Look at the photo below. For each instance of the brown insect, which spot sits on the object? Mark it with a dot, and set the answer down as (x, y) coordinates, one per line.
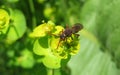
(69, 31)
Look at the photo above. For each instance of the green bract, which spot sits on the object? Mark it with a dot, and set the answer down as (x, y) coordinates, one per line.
(46, 44)
(17, 26)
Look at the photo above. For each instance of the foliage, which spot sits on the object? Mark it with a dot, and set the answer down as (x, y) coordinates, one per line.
(26, 44)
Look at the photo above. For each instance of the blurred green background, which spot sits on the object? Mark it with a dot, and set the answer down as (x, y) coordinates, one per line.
(100, 39)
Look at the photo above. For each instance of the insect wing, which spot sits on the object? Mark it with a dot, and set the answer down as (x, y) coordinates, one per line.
(77, 27)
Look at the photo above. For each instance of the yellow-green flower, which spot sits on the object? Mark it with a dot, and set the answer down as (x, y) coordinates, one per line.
(49, 45)
(42, 30)
(4, 19)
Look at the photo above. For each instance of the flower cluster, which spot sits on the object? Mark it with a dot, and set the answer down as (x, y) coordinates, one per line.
(4, 20)
(49, 45)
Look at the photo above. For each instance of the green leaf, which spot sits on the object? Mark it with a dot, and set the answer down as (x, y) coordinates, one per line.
(12, 1)
(89, 14)
(109, 28)
(10, 53)
(26, 59)
(17, 27)
(91, 60)
(101, 21)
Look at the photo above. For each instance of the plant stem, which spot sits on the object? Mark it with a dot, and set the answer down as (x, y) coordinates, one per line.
(34, 23)
(50, 71)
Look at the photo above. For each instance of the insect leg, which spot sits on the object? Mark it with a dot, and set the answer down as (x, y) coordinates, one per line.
(58, 44)
(77, 35)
